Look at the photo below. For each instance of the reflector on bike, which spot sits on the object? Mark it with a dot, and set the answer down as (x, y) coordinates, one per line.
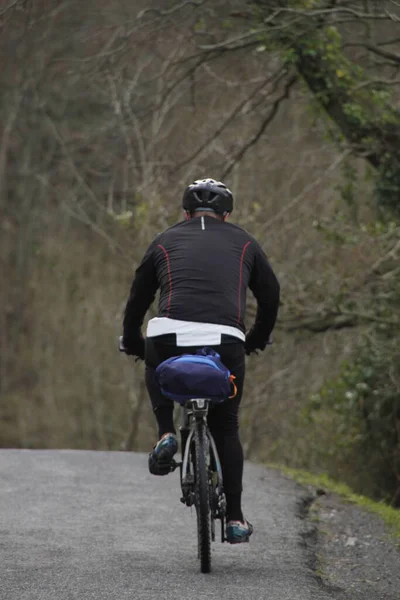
(200, 375)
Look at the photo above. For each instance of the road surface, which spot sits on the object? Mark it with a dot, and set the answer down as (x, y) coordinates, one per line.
(78, 525)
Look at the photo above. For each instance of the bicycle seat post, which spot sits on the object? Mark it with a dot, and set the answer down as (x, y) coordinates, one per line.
(199, 407)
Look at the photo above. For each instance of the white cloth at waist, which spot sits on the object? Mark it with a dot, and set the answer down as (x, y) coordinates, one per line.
(191, 333)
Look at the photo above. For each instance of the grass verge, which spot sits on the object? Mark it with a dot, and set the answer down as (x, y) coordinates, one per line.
(390, 516)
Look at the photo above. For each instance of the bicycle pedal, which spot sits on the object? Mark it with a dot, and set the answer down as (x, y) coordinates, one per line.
(188, 500)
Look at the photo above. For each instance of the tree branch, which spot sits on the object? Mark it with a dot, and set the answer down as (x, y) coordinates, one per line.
(223, 126)
(254, 139)
(365, 84)
(173, 9)
(203, 58)
(307, 189)
(367, 317)
(307, 13)
(6, 137)
(376, 50)
(319, 324)
(332, 320)
(392, 253)
(244, 36)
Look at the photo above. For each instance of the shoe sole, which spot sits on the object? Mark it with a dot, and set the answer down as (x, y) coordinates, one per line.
(242, 540)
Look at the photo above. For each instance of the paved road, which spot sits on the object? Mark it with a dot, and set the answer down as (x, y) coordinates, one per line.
(80, 525)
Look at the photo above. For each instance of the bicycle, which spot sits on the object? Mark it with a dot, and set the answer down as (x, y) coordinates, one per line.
(201, 476)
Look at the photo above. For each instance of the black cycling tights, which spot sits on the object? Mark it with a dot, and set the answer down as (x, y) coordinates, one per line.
(222, 419)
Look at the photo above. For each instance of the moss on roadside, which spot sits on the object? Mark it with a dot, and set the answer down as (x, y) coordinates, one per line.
(390, 516)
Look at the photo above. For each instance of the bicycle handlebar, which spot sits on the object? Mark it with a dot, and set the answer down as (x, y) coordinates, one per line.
(121, 346)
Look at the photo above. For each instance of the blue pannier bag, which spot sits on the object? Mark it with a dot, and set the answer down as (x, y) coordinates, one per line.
(200, 375)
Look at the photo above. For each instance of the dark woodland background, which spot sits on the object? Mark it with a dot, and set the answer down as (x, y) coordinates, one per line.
(107, 111)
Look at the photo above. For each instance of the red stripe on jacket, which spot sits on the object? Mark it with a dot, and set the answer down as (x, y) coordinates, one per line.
(240, 279)
(169, 276)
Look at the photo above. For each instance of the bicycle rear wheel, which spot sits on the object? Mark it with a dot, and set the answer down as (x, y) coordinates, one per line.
(202, 497)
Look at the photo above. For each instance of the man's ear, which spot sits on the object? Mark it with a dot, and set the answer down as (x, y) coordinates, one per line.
(226, 216)
(187, 215)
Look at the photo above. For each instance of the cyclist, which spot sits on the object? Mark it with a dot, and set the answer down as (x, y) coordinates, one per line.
(203, 267)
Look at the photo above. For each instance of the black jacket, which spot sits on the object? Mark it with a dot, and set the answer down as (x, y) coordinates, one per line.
(204, 267)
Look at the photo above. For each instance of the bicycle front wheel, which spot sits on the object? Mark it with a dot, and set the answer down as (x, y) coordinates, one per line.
(202, 497)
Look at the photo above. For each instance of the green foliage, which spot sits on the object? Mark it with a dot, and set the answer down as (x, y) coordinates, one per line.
(363, 405)
(348, 188)
(200, 25)
(289, 56)
(356, 114)
(124, 218)
(304, 4)
(354, 421)
(390, 516)
(388, 184)
(363, 110)
(227, 24)
(331, 234)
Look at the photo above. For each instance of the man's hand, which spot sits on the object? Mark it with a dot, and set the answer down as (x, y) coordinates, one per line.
(133, 346)
(255, 342)
(248, 350)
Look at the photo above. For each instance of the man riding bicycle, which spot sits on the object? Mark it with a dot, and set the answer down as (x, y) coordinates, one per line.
(203, 267)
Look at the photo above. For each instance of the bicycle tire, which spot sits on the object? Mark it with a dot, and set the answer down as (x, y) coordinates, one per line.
(202, 498)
